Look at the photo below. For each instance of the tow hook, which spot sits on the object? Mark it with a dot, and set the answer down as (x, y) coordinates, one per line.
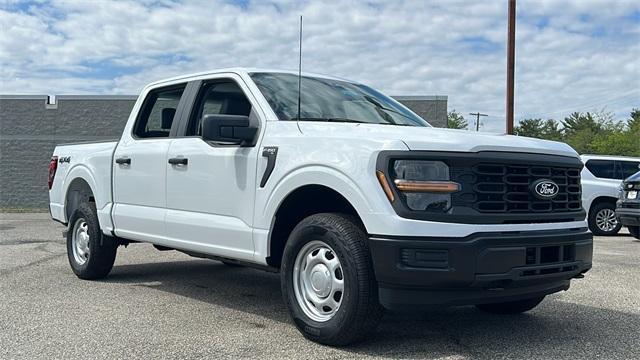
(579, 276)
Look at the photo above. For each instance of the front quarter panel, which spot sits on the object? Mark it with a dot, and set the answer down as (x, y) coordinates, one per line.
(593, 188)
(344, 165)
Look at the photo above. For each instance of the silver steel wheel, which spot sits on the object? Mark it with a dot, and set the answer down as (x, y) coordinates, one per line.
(606, 220)
(318, 281)
(80, 241)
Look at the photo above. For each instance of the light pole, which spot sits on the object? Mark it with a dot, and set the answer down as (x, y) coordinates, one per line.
(511, 61)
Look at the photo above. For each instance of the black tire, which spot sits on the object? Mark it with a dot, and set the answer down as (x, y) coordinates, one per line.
(593, 214)
(634, 231)
(512, 307)
(359, 312)
(102, 248)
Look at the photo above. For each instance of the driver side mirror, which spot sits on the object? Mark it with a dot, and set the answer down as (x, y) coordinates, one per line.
(228, 128)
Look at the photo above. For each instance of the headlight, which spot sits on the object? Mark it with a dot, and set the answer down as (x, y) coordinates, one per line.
(621, 191)
(424, 185)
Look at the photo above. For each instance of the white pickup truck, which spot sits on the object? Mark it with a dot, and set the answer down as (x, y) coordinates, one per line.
(357, 202)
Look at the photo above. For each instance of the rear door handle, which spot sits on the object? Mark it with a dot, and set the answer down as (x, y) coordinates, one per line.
(123, 161)
(178, 161)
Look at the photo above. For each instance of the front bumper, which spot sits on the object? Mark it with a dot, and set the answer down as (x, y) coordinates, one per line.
(479, 268)
(628, 216)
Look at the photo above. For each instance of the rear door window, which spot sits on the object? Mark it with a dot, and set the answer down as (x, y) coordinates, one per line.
(602, 168)
(627, 168)
(158, 112)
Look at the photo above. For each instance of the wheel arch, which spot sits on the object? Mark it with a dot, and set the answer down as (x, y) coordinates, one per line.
(299, 203)
(77, 192)
(79, 185)
(602, 199)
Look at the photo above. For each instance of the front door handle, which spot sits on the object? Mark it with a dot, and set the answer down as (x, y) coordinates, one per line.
(123, 161)
(178, 161)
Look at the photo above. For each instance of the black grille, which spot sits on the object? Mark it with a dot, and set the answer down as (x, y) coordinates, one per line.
(506, 188)
(496, 187)
(550, 259)
(630, 205)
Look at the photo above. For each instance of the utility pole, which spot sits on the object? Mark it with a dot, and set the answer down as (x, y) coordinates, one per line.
(511, 60)
(477, 115)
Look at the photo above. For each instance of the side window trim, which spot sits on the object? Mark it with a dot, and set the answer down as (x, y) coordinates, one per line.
(143, 109)
(181, 122)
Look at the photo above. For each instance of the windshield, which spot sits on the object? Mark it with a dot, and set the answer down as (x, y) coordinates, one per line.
(331, 100)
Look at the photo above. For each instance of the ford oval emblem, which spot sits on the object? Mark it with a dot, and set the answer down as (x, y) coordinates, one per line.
(545, 189)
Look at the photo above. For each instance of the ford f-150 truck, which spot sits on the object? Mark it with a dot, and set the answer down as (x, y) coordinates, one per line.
(356, 201)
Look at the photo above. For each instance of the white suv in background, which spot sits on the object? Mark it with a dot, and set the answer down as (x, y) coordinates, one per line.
(601, 179)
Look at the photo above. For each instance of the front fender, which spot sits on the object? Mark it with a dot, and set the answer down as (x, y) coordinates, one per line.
(325, 176)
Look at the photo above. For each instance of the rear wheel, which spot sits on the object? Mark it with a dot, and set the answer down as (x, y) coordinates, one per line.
(91, 253)
(328, 282)
(511, 307)
(634, 231)
(603, 220)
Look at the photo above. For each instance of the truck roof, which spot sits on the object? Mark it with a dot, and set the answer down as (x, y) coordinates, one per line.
(244, 71)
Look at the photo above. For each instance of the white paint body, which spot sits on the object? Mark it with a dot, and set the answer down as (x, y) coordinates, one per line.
(214, 205)
(600, 188)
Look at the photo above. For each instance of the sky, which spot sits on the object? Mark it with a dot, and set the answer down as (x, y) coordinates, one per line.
(581, 55)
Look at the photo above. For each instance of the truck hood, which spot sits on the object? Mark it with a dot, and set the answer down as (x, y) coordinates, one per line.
(435, 139)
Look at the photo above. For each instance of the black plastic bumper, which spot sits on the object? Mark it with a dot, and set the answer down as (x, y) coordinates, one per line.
(480, 268)
(628, 217)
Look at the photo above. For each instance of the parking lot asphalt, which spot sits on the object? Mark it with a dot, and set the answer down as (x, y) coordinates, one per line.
(169, 305)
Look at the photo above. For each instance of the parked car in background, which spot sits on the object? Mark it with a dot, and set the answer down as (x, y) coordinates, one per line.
(628, 206)
(601, 178)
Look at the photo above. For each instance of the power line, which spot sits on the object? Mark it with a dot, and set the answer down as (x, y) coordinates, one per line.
(592, 103)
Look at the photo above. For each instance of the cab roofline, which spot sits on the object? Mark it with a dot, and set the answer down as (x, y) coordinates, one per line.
(243, 71)
(608, 157)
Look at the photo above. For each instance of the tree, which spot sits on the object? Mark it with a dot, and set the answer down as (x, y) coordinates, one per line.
(578, 121)
(621, 139)
(530, 128)
(618, 143)
(593, 133)
(552, 130)
(582, 141)
(456, 121)
(634, 121)
(599, 133)
(543, 129)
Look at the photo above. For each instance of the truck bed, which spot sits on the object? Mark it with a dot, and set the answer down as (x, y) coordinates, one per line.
(90, 162)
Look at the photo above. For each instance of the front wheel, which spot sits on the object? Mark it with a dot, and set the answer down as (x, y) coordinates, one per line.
(603, 220)
(511, 307)
(634, 231)
(91, 253)
(328, 282)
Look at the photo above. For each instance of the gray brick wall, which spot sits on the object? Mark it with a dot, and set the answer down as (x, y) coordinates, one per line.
(431, 108)
(30, 128)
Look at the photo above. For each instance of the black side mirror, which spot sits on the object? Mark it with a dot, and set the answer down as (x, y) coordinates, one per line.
(228, 128)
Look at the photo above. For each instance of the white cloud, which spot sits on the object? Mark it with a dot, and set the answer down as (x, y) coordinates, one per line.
(571, 55)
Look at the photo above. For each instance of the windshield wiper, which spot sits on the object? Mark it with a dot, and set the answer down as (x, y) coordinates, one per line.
(382, 107)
